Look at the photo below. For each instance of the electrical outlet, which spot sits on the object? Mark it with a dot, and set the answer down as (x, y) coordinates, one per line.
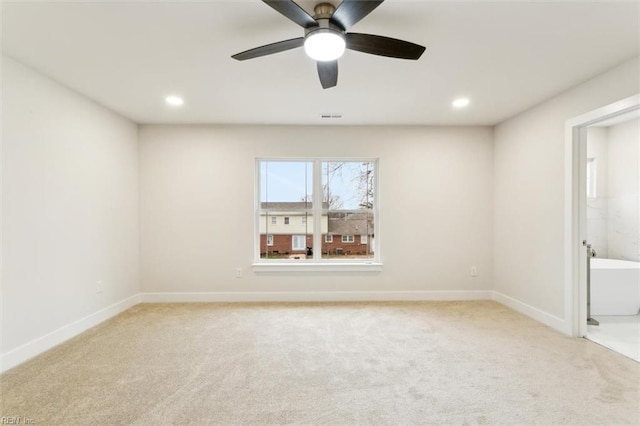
(99, 287)
(238, 272)
(474, 271)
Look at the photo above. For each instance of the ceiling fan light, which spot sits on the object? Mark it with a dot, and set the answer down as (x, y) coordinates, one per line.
(324, 45)
(173, 100)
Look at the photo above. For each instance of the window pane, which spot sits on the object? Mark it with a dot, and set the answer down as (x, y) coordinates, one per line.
(348, 185)
(285, 202)
(286, 182)
(348, 194)
(291, 241)
(351, 235)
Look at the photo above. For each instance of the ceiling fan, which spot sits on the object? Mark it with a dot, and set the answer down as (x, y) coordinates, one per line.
(326, 37)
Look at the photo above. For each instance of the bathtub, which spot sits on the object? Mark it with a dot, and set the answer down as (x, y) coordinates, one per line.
(615, 287)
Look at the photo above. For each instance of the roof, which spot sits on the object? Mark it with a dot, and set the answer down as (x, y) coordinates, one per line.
(350, 224)
(286, 206)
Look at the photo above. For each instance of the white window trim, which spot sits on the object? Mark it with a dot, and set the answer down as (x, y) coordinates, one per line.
(316, 263)
(328, 238)
(308, 266)
(269, 238)
(350, 239)
(274, 220)
(364, 239)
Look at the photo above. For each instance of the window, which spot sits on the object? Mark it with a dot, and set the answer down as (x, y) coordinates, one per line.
(274, 220)
(364, 239)
(316, 198)
(269, 240)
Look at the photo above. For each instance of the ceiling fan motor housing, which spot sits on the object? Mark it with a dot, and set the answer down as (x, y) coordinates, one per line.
(325, 25)
(323, 10)
(322, 14)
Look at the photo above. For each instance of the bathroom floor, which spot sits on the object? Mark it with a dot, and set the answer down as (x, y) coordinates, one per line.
(620, 333)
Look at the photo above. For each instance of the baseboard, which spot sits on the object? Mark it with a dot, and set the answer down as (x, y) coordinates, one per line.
(534, 313)
(62, 334)
(315, 296)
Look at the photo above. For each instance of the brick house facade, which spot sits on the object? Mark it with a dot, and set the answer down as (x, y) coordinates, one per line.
(343, 233)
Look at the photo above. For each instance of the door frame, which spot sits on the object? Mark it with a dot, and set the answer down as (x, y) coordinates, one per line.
(575, 209)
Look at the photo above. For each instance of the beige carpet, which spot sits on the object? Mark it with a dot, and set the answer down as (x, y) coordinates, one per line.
(338, 364)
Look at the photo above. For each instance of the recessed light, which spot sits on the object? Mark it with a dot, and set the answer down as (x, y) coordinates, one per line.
(460, 103)
(174, 100)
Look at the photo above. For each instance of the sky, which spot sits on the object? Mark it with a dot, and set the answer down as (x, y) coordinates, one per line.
(293, 181)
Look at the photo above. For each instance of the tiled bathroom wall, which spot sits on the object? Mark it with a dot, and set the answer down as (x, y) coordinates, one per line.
(623, 228)
(613, 214)
(597, 225)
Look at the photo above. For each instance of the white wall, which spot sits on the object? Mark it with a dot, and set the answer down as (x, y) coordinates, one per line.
(197, 206)
(70, 210)
(528, 189)
(624, 191)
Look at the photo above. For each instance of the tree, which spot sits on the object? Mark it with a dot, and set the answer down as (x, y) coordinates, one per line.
(333, 202)
(364, 185)
(354, 179)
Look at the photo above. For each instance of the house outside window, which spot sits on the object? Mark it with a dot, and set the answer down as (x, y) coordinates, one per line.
(364, 239)
(316, 199)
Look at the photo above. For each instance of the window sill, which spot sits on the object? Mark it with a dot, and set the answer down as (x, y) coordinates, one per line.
(317, 267)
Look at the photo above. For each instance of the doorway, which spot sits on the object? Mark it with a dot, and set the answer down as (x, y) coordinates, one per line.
(587, 198)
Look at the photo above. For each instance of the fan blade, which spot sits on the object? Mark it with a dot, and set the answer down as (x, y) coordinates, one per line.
(269, 49)
(352, 11)
(292, 11)
(328, 73)
(384, 46)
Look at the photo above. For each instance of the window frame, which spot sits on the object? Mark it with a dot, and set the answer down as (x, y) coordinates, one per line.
(328, 238)
(350, 239)
(269, 240)
(316, 263)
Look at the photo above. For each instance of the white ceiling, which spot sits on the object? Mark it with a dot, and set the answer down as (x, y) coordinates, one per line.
(504, 56)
